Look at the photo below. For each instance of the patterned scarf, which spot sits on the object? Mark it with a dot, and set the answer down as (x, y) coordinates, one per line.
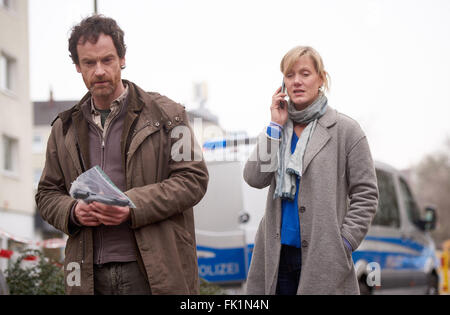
(290, 165)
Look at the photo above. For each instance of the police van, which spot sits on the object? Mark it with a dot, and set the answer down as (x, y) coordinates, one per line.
(396, 257)
(398, 241)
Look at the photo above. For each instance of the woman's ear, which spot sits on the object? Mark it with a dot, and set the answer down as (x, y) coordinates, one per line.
(323, 77)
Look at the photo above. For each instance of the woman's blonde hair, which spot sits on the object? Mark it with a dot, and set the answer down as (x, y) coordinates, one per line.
(293, 55)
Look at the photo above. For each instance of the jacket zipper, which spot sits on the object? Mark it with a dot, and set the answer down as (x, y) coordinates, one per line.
(103, 138)
(101, 246)
(102, 165)
(102, 159)
(103, 153)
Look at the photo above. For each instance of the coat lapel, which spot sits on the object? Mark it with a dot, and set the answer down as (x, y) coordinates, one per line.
(81, 130)
(146, 120)
(78, 150)
(320, 137)
(318, 140)
(70, 143)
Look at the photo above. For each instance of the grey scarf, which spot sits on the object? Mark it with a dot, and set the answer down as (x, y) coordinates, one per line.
(290, 165)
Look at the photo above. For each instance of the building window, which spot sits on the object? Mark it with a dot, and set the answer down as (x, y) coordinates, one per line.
(7, 72)
(10, 155)
(37, 176)
(38, 144)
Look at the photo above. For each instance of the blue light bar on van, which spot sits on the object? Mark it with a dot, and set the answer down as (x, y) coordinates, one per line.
(218, 144)
(227, 143)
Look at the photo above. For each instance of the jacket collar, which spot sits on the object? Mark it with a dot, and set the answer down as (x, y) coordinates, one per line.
(320, 137)
(136, 102)
(329, 118)
(137, 99)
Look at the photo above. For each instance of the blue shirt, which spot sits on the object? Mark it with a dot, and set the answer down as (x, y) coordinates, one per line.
(290, 222)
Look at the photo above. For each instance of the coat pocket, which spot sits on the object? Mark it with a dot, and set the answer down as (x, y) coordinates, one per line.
(347, 252)
(182, 235)
(186, 255)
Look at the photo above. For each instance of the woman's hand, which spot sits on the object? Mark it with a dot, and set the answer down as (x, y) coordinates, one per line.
(279, 113)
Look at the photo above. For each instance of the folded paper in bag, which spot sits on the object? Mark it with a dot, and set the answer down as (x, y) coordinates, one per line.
(95, 185)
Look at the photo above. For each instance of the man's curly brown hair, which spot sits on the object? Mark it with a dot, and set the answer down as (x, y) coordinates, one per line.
(90, 29)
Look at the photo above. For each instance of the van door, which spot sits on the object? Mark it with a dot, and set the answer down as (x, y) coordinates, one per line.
(382, 243)
(221, 244)
(415, 239)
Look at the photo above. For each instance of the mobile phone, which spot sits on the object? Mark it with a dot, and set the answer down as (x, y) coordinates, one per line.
(283, 90)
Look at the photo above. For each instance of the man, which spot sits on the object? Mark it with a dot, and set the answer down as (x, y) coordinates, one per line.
(129, 133)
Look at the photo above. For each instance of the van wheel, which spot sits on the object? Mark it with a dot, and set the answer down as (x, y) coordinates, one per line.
(364, 289)
(433, 285)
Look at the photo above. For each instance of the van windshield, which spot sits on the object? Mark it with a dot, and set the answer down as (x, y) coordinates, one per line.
(388, 210)
(410, 204)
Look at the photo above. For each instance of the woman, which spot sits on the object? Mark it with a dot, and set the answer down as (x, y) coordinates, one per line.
(323, 190)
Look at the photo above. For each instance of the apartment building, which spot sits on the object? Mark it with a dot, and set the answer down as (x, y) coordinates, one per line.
(17, 206)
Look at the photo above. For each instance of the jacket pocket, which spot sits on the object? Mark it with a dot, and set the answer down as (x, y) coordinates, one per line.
(187, 256)
(182, 235)
(347, 252)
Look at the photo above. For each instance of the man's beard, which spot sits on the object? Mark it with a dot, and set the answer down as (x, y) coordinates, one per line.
(102, 91)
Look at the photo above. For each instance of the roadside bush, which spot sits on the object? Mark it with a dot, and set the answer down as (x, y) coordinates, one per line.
(41, 278)
(207, 288)
(46, 278)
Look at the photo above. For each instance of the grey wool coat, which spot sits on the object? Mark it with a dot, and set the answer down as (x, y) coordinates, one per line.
(338, 197)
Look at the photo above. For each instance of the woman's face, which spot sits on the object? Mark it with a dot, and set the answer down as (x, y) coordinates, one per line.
(303, 82)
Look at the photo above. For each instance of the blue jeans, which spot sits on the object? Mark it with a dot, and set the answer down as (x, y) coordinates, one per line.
(289, 270)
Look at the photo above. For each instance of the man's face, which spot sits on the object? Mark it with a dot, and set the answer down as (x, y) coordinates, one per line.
(100, 67)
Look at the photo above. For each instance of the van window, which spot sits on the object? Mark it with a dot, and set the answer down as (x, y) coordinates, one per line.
(410, 205)
(388, 209)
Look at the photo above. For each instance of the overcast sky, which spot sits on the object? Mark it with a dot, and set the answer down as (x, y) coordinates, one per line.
(388, 60)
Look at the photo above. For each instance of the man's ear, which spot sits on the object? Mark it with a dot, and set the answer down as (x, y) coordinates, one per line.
(78, 68)
(122, 63)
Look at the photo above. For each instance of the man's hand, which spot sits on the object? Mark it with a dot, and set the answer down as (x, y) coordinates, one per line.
(83, 214)
(109, 215)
